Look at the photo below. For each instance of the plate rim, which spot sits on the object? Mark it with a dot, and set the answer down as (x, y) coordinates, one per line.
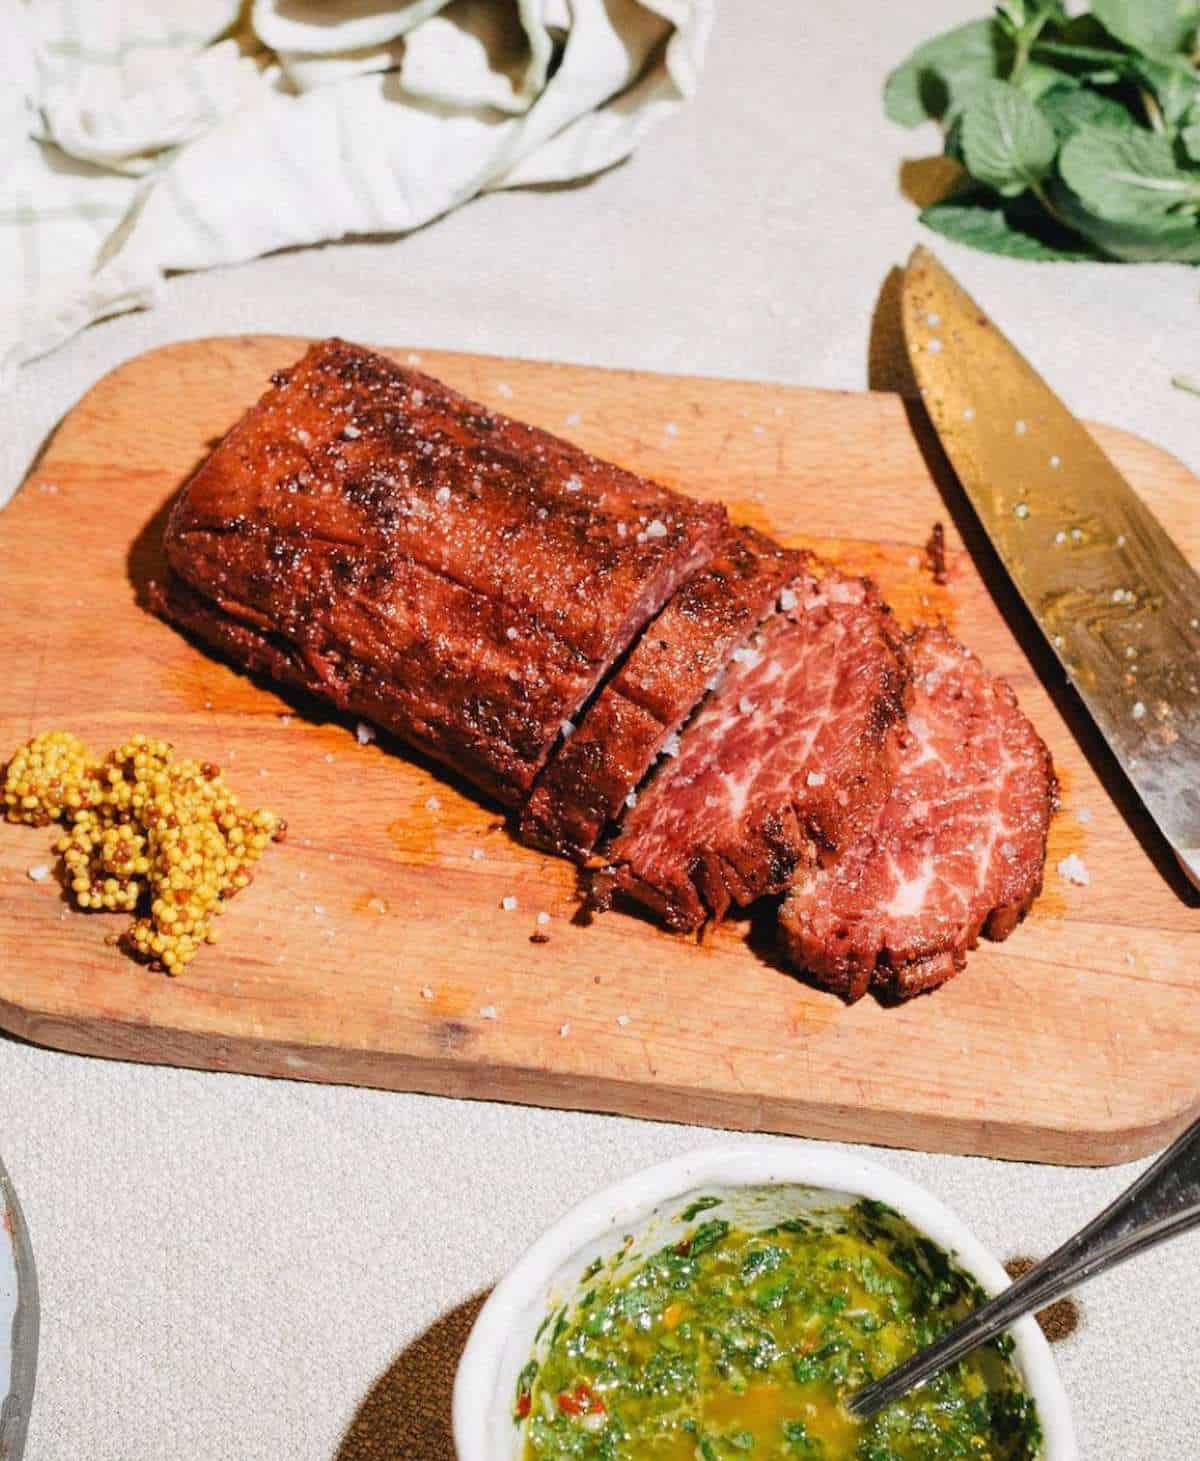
(15, 1411)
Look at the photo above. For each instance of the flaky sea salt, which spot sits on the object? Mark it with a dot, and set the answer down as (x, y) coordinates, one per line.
(1056, 462)
(671, 429)
(426, 992)
(1021, 510)
(564, 1030)
(1083, 816)
(1020, 427)
(745, 705)
(568, 729)
(787, 600)
(1139, 710)
(508, 903)
(351, 433)
(623, 1020)
(573, 418)
(505, 390)
(1074, 870)
(621, 530)
(815, 778)
(442, 496)
(934, 346)
(656, 529)
(39, 872)
(670, 747)
(432, 804)
(488, 1012)
(631, 799)
(364, 734)
(511, 632)
(477, 854)
(574, 483)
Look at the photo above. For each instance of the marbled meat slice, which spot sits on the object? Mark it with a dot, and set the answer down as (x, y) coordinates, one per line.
(585, 786)
(462, 579)
(788, 759)
(957, 849)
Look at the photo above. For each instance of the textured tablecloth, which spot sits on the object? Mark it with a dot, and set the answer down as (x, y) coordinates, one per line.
(232, 1268)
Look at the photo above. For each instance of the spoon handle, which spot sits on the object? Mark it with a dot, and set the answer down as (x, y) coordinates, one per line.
(1164, 1201)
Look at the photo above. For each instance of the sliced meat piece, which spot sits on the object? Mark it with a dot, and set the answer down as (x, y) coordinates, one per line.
(586, 784)
(464, 579)
(957, 849)
(787, 760)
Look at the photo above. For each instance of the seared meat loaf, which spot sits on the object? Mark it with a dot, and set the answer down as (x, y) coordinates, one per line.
(464, 580)
(786, 762)
(586, 785)
(956, 850)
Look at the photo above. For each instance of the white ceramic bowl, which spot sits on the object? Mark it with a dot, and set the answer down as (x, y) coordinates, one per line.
(757, 1184)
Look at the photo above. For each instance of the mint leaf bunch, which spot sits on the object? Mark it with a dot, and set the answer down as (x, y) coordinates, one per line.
(1079, 134)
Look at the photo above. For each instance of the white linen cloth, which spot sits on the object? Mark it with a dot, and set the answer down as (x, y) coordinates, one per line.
(137, 140)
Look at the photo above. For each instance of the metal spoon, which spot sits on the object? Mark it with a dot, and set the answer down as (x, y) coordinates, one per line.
(1164, 1201)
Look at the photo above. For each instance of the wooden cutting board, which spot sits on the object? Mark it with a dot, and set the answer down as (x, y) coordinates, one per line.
(373, 948)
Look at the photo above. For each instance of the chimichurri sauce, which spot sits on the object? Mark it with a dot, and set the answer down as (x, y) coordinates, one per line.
(737, 1346)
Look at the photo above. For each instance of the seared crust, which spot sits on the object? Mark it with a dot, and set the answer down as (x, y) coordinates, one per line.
(957, 851)
(465, 580)
(784, 764)
(586, 784)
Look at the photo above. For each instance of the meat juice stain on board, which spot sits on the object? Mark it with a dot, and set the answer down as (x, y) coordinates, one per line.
(1068, 836)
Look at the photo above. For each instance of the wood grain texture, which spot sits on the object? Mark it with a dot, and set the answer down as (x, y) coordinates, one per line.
(1078, 1040)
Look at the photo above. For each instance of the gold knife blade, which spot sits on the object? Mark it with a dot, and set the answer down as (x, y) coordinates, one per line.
(1115, 598)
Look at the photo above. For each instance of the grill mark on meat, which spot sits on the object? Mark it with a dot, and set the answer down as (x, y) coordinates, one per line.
(957, 850)
(652, 691)
(782, 765)
(491, 571)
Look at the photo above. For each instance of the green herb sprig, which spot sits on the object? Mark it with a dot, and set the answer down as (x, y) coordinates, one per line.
(1079, 135)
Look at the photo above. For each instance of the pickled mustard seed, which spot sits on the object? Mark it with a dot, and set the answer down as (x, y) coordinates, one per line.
(144, 833)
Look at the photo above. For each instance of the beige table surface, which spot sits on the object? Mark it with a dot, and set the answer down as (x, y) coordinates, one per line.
(229, 1266)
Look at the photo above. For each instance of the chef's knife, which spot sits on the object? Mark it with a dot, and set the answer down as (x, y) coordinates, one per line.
(1115, 598)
